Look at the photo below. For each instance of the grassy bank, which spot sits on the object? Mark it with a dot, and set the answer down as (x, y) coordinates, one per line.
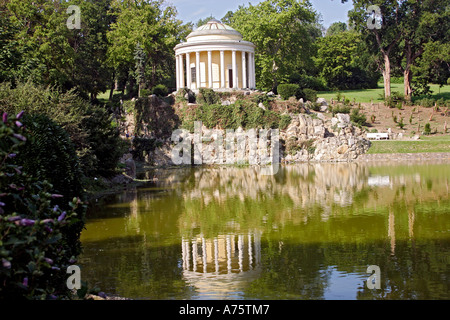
(368, 95)
(426, 144)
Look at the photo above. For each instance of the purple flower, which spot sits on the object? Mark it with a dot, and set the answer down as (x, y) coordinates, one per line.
(48, 229)
(2, 204)
(20, 114)
(56, 268)
(48, 260)
(25, 282)
(12, 155)
(19, 124)
(72, 261)
(27, 222)
(57, 196)
(5, 117)
(15, 218)
(55, 208)
(20, 137)
(47, 221)
(62, 216)
(6, 264)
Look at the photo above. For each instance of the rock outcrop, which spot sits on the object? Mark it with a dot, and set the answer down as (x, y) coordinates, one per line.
(335, 140)
(307, 138)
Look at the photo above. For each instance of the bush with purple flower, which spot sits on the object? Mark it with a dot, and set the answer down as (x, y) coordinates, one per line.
(35, 250)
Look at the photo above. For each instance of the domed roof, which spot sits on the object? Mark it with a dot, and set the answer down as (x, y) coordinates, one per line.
(214, 29)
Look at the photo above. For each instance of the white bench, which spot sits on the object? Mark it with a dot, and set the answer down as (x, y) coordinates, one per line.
(377, 136)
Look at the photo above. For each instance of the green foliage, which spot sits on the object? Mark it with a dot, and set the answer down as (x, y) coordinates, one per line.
(288, 90)
(358, 118)
(340, 109)
(276, 27)
(154, 26)
(142, 147)
(425, 102)
(285, 121)
(50, 155)
(342, 62)
(144, 93)
(240, 114)
(208, 96)
(310, 82)
(35, 245)
(293, 146)
(335, 28)
(160, 90)
(427, 129)
(310, 95)
(96, 141)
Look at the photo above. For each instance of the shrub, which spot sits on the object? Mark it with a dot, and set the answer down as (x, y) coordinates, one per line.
(160, 90)
(341, 109)
(358, 118)
(285, 121)
(144, 92)
(310, 82)
(427, 129)
(425, 102)
(35, 249)
(310, 95)
(88, 126)
(288, 90)
(208, 96)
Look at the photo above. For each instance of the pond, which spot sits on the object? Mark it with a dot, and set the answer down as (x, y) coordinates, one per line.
(309, 232)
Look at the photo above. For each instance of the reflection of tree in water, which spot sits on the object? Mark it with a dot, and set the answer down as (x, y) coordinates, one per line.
(313, 218)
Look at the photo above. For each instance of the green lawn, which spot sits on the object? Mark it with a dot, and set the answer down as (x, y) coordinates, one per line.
(426, 144)
(375, 94)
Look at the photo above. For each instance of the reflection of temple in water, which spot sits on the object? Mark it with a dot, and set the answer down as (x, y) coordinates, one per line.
(222, 264)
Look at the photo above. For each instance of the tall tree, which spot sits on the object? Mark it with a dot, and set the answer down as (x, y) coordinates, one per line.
(152, 25)
(282, 33)
(423, 21)
(336, 27)
(386, 37)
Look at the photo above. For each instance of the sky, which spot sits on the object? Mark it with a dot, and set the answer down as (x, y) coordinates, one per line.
(193, 10)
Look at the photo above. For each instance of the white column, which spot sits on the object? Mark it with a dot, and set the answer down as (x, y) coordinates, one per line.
(244, 71)
(222, 69)
(177, 72)
(197, 68)
(210, 80)
(216, 254)
(194, 255)
(228, 243)
(182, 85)
(188, 70)
(204, 254)
(233, 62)
(252, 70)
(241, 252)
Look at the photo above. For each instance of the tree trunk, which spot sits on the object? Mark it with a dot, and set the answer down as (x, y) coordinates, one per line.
(407, 82)
(113, 86)
(387, 75)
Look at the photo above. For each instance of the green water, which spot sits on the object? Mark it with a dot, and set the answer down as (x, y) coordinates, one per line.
(309, 232)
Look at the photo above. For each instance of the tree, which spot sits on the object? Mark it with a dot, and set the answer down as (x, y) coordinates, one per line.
(155, 28)
(343, 63)
(140, 57)
(433, 66)
(385, 38)
(423, 22)
(204, 21)
(336, 28)
(282, 33)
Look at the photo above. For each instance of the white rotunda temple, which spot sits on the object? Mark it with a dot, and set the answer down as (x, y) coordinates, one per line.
(215, 56)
